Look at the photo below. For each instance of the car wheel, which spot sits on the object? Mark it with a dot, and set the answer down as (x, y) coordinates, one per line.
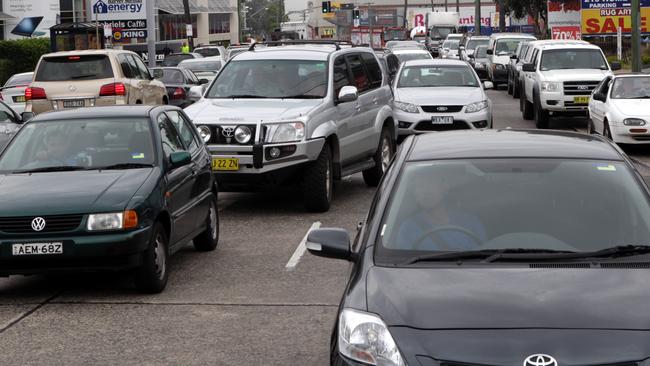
(527, 109)
(318, 182)
(590, 126)
(540, 115)
(607, 133)
(208, 239)
(509, 85)
(151, 276)
(515, 90)
(382, 159)
(521, 102)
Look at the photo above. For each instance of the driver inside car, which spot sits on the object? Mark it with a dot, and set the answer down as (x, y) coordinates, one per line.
(435, 225)
(56, 150)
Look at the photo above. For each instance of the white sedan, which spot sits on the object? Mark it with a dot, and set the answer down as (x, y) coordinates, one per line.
(619, 109)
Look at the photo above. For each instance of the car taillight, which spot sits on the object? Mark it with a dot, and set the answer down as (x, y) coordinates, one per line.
(33, 93)
(179, 93)
(112, 89)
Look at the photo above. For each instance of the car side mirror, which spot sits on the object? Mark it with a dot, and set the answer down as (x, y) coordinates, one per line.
(347, 94)
(615, 65)
(196, 92)
(203, 81)
(471, 55)
(513, 57)
(179, 158)
(489, 52)
(26, 116)
(487, 85)
(600, 97)
(462, 48)
(329, 243)
(528, 67)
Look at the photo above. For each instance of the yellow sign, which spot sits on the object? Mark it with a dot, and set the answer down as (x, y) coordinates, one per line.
(607, 21)
(225, 164)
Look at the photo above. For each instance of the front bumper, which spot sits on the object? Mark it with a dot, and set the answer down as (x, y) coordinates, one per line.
(629, 134)
(421, 122)
(563, 104)
(87, 252)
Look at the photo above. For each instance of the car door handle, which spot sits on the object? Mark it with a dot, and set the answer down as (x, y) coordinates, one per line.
(357, 107)
(375, 100)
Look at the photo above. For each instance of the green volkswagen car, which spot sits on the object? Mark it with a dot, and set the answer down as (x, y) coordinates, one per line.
(106, 188)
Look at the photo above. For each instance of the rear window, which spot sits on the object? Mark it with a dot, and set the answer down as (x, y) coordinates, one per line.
(62, 68)
(173, 60)
(172, 76)
(16, 80)
(207, 52)
(212, 66)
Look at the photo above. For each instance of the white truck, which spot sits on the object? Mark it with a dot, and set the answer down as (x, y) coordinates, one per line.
(439, 25)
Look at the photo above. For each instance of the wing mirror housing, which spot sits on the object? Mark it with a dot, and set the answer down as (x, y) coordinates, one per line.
(487, 85)
(25, 116)
(490, 52)
(179, 158)
(513, 57)
(329, 243)
(195, 92)
(615, 65)
(203, 81)
(347, 94)
(528, 67)
(600, 97)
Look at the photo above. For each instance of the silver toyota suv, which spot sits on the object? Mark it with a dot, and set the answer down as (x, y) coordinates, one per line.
(302, 113)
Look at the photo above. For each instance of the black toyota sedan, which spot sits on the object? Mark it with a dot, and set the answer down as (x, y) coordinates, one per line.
(105, 188)
(498, 247)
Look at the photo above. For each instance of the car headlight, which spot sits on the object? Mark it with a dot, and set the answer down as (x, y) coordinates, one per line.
(633, 122)
(475, 107)
(243, 134)
(364, 337)
(551, 86)
(112, 221)
(406, 107)
(285, 132)
(205, 133)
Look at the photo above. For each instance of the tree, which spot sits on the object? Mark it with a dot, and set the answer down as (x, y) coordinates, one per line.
(536, 9)
(264, 16)
(188, 20)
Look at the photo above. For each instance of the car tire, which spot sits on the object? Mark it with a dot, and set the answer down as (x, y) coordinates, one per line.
(607, 133)
(515, 90)
(209, 239)
(590, 127)
(318, 182)
(527, 109)
(151, 277)
(509, 85)
(540, 115)
(382, 158)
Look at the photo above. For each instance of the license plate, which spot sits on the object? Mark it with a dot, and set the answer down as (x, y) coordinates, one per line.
(19, 99)
(75, 103)
(225, 164)
(37, 248)
(581, 100)
(446, 120)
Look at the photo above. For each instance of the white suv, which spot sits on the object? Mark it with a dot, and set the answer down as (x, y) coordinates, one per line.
(559, 78)
(500, 48)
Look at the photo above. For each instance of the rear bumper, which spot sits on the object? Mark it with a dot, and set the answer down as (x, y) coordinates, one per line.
(46, 105)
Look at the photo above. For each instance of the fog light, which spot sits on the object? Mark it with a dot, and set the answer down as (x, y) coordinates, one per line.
(551, 102)
(274, 152)
(480, 124)
(402, 124)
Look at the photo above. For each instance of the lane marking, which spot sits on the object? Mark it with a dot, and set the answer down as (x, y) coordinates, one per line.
(300, 249)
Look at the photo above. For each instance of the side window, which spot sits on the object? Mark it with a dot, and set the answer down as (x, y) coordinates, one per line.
(604, 87)
(373, 68)
(134, 67)
(184, 129)
(124, 64)
(534, 58)
(144, 71)
(393, 63)
(341, 77)
(191, 77)
(359, 76)
(171, 142)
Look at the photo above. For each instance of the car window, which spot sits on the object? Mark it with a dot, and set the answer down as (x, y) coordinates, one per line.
(604, 86)
(437, 76)
(211, 66)
(124, 64)
(473, 43)
(341, 75)
(505, 46)
(173, 60)
(533, 59)
(84, 67)
(208, 51)
(6, 114)
(359, 76)
(171, 141)
(184, 129)
(134, 67)
(393, 63)
(172, 76)
(191, 76)
(142, 68)
(20, 80)
(573, 59)
(373, 68)
(637, 87)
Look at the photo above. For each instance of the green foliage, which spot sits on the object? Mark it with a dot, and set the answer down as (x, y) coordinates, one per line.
(536, 9)
(21, 55)
(262, 16)
(645, 59)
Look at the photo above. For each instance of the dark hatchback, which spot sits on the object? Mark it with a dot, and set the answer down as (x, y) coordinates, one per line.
(183, 87)
(498, 247)
(105, 188)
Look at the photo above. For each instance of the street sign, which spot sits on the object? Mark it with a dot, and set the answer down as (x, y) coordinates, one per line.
(188, 30)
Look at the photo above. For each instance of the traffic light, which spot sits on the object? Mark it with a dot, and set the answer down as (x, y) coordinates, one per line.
(327, 6)
(355, 14)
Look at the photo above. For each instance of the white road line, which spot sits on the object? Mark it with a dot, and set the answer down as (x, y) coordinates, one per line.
(300, 250)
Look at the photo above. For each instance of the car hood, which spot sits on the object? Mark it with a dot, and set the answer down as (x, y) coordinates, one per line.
(492, 298)
(575, 75)
(439, 95)
(629, 107)
(69, 192)
(249, 110)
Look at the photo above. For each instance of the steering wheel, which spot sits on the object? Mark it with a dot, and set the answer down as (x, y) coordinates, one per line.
(433, 232)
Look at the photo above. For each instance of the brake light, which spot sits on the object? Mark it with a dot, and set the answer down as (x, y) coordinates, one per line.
(112, 89)
(73, 57)
(179, 93)
(34, 93)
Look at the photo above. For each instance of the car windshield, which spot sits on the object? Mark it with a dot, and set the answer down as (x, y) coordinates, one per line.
(85, 67)
(79, 143)
(507, 46)
(480, 52)
(480, 204)
(408, 56)
(631, 88)
(173, 60)
(19, 80)
(196, 67)
(271, 79)
(473, 43)
(172, 76)
(440, 32)
(432, 76)
(236, 51)
(573, 59)
(208, 51)
(453, 45)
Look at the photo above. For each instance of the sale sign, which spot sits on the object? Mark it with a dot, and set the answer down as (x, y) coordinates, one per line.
(607, 20)
(566, 32)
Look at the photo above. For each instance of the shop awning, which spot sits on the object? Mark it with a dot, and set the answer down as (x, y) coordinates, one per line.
(220, 6)
(5, 16)
(176, 7)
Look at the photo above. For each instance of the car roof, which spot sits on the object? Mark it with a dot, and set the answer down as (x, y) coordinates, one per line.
(139, 110)
(398, 51)
(479, 37)
(315, 52)
(106, 51)
(200, 60)
(512, 35)
(565, 45)
(435, 62)
(511, 143)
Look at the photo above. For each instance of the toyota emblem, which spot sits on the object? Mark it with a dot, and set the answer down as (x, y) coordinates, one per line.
(38, 224)
(228, 131)
(441, 109)
(540, 360)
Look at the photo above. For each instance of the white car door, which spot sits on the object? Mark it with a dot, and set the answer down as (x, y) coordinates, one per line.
(600, 109)
(529, 77)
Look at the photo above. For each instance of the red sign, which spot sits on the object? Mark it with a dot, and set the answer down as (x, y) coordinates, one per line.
(567, 32)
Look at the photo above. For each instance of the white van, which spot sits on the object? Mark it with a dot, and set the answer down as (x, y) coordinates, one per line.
(500, 48)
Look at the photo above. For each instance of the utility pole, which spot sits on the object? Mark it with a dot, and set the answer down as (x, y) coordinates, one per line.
(151, 33)
(636, 50)
(406, 21)
(502, 16)
(188, 20)
(458, 6)
(370, 24)
(477, 18)
(446, 5)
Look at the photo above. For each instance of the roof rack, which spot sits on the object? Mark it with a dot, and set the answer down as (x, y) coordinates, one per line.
(301, 41)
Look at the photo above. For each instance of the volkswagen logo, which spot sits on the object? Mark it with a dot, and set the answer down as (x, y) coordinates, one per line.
(38, 224)
(583, 87)
(228, 131)
(441, 109)
(540, 360)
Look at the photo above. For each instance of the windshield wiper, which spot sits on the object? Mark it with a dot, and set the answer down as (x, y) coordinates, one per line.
(301, 96)
(124, 166)
(488, 255)
(251, 96)
(61, 168)
(83, 76)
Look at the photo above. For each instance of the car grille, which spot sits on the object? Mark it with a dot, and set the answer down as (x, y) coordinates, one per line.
(447, 108)
(220, 138)
(578, 106)
(428, 126)
(53, 224)
(445, 363)
(579, 87)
